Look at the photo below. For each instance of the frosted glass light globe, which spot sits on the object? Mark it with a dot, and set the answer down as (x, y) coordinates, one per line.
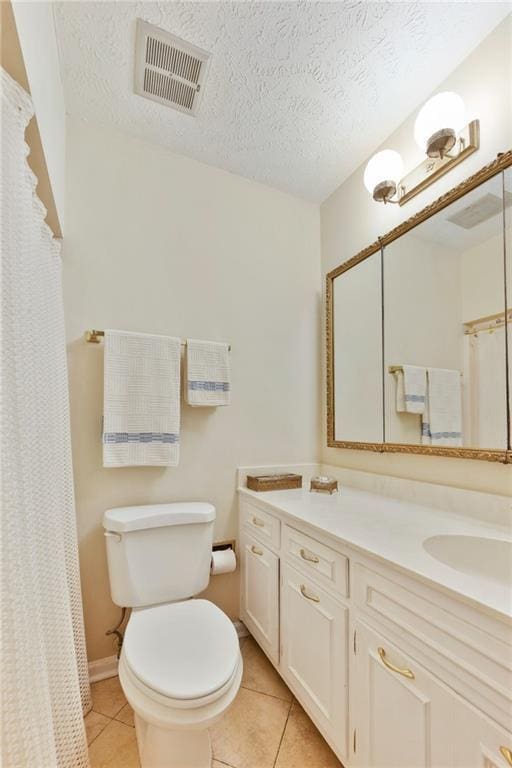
(385, 166)
(444, 111)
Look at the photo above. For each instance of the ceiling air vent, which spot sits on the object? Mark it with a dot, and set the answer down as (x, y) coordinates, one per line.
(487, 206)
(169, 70)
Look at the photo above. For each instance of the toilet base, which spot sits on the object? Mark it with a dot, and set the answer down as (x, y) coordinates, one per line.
(164, 748)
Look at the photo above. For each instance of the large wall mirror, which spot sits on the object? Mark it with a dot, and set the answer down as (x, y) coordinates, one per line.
(419, 330)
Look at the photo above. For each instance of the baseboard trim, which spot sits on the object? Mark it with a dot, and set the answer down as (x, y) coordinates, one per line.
(241, 629)
(107, 667)
(102, 668)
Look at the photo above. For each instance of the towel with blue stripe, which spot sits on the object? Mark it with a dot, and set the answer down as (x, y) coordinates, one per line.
(411, 389)
(442, 418)
(208, 375)
(141, 410)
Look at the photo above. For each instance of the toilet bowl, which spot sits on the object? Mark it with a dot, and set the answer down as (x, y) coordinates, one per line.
(180, 665)
(180, 670)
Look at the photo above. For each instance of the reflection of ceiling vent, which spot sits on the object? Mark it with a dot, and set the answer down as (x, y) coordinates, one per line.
(167, 69)
(482, 209)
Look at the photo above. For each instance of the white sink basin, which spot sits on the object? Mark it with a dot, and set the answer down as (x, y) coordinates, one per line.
(475, 555)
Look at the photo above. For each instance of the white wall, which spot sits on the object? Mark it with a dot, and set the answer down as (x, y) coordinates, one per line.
(351, 220)
(482, 278)
(36, 32)
(159, 243)
(357, 323)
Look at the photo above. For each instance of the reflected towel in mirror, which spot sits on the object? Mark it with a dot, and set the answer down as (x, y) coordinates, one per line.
(411, 388)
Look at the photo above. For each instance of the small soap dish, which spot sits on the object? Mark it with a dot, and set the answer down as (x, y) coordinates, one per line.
(323, 484)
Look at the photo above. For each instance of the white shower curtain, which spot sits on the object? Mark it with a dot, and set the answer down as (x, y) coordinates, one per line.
(486, 403)
(44, 682)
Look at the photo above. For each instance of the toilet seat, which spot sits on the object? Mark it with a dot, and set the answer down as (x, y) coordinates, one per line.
(166, 643)
(183, 654)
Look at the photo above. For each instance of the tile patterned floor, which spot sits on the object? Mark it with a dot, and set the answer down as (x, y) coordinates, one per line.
(265, 728)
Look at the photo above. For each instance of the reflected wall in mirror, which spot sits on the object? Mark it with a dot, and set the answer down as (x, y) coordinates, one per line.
(417, 330)
(444, 348)
(357, 322)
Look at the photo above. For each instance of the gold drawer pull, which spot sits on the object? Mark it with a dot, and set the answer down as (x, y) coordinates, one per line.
(256, 550)
(401, 670)
(309, 558)
(307, 595)
(507, 754)
(258, 522)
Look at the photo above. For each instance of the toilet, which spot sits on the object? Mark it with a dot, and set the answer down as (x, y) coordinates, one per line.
(180, 666)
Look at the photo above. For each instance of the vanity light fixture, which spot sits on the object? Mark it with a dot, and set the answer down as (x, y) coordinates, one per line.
(441, 133)
(438, 124)
(382, 175)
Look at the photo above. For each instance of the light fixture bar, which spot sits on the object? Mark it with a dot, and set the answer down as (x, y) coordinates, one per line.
(431, 169)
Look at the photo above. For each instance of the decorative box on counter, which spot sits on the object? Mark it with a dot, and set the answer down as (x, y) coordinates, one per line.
(323, 484)
(274, 482)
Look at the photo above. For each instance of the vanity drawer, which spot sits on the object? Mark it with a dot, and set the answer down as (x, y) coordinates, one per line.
(324, 564)
(264, 526)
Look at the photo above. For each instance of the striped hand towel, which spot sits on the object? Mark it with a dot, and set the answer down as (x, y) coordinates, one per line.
(411, 387)
(208, 380)
(141, 412)
(442, 419)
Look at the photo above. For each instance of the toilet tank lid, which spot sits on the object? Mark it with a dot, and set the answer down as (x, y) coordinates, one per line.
(123, 519)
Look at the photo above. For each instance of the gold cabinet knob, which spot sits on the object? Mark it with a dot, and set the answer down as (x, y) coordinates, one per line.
(258, 522)
(256, 550)
(507, 754)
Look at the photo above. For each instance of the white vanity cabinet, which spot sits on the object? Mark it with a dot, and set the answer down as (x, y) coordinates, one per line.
(394, 671)
(314, 631)
(260, 593)
(407, 718)
(402, 715)
(293, 601)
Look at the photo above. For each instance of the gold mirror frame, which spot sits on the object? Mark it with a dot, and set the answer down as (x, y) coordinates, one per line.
(502, 162)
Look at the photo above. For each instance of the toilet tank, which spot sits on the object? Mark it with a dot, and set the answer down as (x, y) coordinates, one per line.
(158, 553)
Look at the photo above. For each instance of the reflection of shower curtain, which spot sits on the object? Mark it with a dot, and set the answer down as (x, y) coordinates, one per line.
(486, 395)
(44, 686)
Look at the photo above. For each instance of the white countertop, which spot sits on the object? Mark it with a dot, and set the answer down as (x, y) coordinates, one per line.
(394, 531)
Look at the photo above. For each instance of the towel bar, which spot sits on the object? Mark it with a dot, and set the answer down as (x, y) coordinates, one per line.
(94, 337)
(399, 369)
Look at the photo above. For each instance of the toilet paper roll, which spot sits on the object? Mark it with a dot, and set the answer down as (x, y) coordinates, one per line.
(223, 561)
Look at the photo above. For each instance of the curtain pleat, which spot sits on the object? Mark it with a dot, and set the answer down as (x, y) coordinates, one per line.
(44, 681)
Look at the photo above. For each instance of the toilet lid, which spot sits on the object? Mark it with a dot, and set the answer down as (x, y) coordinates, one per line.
(183, 650)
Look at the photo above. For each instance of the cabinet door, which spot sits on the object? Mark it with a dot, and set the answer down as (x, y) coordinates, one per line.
(260, 594)
(403, 716)
(406, 718)
(314, 652)
(479, 742)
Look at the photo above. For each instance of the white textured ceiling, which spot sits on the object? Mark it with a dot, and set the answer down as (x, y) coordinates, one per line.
(298, 93)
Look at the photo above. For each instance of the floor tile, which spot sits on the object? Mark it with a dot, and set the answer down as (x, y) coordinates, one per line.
(115, 747)
(94, 724)
(303, 746)
(260, 675)
(126, 715)
(108, 697)
(249, 734)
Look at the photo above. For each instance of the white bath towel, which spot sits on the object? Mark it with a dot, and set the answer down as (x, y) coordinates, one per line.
(411, 389)
(442, 419)
(208, 379)
(141, 413)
